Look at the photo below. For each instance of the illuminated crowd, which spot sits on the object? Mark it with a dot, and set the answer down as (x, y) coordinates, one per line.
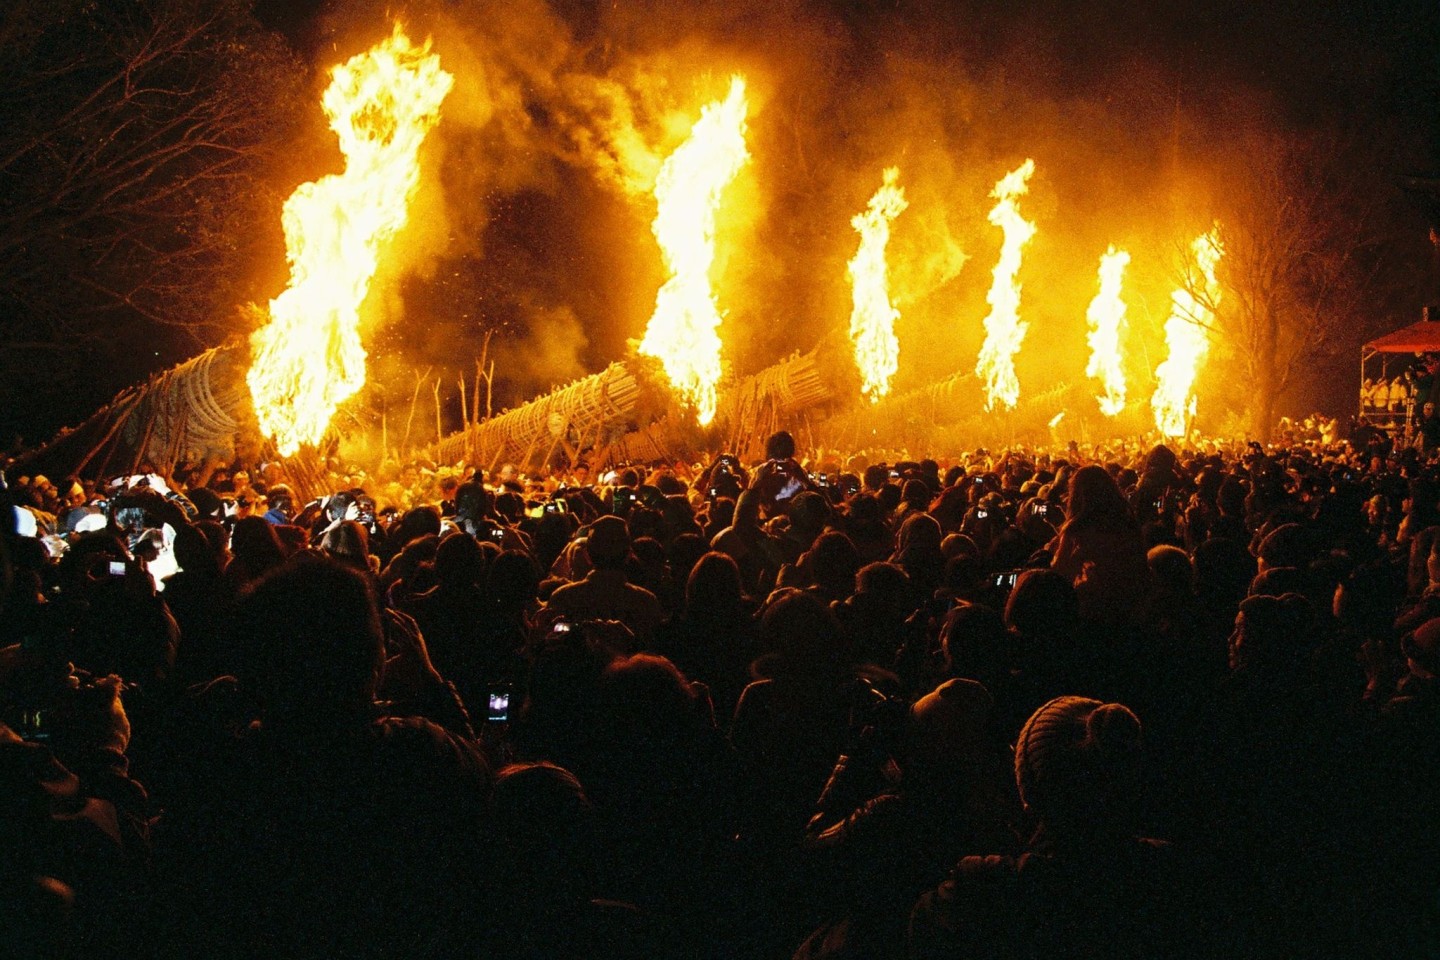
(1115, 701)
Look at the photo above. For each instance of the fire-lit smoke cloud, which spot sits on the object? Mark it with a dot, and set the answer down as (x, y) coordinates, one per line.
(1188, 339)
(872, 316)
(684, 330)
(1004, 330)
(1106, 320)
(309, 358)
(537, 194)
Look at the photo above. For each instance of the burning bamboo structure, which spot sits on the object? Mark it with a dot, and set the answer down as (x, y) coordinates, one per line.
(627, 413)
(192, 411)
(944, 415)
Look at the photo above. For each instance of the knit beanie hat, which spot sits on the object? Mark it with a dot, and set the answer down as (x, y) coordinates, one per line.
(1075, 756)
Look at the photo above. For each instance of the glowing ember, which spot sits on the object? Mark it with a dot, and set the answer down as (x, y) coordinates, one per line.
(1105, 317)
(1004, 332)
(683, 331)
(872, 318)
(1188, 340)
(309, 359)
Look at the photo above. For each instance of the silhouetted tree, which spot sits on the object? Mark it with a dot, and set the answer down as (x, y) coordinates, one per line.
(135, 136)
(1300, 216)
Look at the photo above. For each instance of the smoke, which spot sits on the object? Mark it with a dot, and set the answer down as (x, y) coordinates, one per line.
(534, 213)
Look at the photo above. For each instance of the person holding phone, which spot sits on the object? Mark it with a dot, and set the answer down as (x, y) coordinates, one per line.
(606, 593)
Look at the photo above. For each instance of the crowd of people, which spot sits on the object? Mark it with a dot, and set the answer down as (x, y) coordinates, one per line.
(1114, 703)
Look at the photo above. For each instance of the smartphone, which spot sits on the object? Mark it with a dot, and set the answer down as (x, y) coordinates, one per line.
(1005, 580)
(555, 506)
(117, 569)
(35, 726)
(497, 532)
(498, 710)
(981, 514)
(561, 626)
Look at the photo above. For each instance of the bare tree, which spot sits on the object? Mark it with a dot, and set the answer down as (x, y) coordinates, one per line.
(135, 141)
(1297, 217)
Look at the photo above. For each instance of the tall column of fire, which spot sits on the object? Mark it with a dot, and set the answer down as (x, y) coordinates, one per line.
(309, 358)
(872, 317)
(1188, 340)
(1004, 331)
(683, 332)
(1106, 318)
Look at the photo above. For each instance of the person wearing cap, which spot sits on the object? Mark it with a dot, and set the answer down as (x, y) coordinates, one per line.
(605, 593)
(281, 503)
(1087, 884)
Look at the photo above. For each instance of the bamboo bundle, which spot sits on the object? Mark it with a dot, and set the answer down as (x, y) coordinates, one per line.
(949, 414)
(627, 413)
(190, 411)
(588, 412)
(946, 401)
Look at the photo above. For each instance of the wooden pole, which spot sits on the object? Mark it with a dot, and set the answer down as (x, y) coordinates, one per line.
(439, 430)
(410, 418)
(475, 400)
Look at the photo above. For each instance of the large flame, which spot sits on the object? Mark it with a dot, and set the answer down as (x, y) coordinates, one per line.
(1004, 332)
(683, 331)
(309, 359)
(1106, 317)
(872, 318)
(1188, 340)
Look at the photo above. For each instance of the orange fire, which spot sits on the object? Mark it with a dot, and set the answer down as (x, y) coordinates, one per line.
(872, 318)
(1004, 331)
(683, 331)
(309, 359)
(1188, 339)
(1106, 317)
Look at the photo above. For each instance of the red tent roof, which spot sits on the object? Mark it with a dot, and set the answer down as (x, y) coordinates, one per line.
(1422, 337)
